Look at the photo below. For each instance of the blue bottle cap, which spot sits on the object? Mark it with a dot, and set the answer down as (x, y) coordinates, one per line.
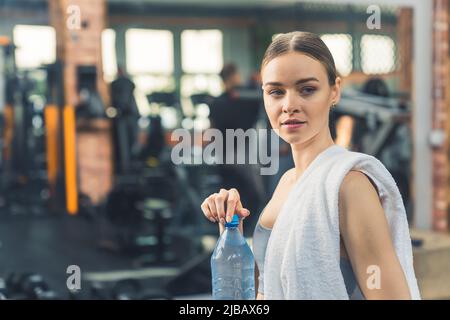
(233, 223)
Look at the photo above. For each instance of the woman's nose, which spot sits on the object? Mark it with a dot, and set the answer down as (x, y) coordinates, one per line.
(291, 104)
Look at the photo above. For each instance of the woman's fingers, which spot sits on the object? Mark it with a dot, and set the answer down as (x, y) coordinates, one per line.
(238, 209)
(233, 203)
(212, 207)
(220, 207)
(242, 212)
(220, 200)
(206, 210)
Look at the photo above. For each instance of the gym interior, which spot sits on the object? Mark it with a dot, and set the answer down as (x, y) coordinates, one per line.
(92, 93)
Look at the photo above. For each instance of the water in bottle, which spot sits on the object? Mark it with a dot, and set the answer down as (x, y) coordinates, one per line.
(233, 266)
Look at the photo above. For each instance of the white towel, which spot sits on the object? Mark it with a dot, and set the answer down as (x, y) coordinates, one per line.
(303, 253)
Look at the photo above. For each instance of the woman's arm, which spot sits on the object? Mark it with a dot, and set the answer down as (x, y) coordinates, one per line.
(259, 296)
(367, 240)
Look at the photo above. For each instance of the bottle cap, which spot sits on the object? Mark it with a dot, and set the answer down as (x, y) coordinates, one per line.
(233, 223)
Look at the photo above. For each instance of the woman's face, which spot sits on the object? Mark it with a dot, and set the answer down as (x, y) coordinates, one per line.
(297, 96)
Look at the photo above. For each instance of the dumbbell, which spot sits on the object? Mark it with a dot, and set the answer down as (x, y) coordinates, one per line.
(34, 286)
(3, 290)
(30, 286)
(126, 289)
(99, 292)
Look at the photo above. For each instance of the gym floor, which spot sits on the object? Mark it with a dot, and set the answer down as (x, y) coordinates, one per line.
(48, 245)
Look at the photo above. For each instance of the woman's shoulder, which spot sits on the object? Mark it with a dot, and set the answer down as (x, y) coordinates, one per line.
(347, 161)
(287, 179)
(355, 180)
(284, 184)
(355, 185)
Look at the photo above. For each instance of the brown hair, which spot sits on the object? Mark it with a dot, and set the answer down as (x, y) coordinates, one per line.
(307, 43)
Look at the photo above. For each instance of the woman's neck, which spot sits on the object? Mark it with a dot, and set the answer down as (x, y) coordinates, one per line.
(304, 153)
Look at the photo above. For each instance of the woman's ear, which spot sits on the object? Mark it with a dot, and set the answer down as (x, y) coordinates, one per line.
(336, 91)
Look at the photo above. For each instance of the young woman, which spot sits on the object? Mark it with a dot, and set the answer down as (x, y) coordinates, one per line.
(335, 227)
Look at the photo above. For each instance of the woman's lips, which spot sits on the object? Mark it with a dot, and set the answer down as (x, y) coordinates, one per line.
(292, 126)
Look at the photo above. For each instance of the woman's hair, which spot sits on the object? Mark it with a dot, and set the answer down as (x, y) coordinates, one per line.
(307, 43)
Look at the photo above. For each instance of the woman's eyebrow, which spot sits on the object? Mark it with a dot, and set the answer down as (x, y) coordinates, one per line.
(296, 83)
(306, 80)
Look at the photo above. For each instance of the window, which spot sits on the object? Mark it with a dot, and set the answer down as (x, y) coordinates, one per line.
(202, 60)
(109, 60)
(150, 63)
(340, 46)
(377, 54)
(201, 51)
(36, 45)
(149, 51)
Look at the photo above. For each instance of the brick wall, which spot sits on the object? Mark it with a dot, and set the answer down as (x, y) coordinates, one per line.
(82, 46)
(440, 116)
(405, 47)
(79, 46)
(94, 159)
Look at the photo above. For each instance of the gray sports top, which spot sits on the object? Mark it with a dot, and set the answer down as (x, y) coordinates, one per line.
(261, 238)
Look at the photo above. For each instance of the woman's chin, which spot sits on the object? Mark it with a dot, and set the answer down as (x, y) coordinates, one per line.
(291, 139)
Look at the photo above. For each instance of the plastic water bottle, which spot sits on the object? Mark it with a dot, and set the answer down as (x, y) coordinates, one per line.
(233, 266)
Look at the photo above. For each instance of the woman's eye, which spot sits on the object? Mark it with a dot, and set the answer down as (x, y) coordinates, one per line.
(275, 92)
(308, 90)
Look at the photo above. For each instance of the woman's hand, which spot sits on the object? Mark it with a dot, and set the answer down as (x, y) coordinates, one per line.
(220, 207)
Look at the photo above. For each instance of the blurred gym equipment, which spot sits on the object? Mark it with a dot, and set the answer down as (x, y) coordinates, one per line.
(29, 286)
(126, 289)
(382, 115)
(3, 290)
(90, 105)
(153, 205)
(24, 186)
(382, 131)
